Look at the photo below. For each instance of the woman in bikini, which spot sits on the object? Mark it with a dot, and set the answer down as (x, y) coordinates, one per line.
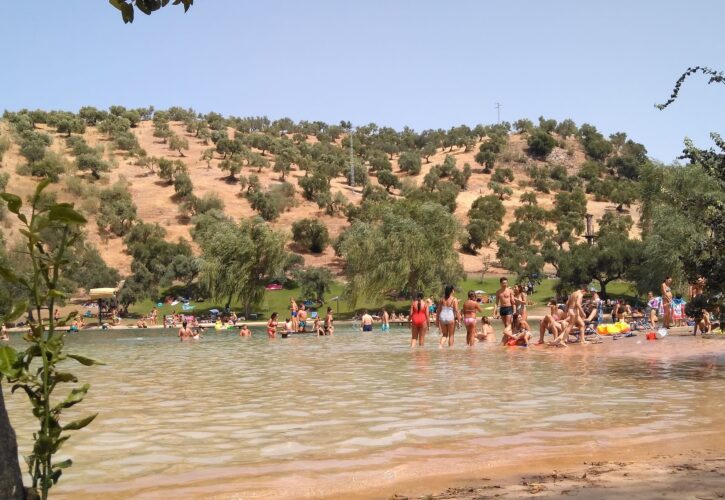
(329, 327)
(470, 308)
(448, 316)
(272, 326)
(520, 299)
(419, 318)
(518, 334)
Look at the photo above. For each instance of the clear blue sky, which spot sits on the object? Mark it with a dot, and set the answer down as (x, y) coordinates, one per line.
(422, 63)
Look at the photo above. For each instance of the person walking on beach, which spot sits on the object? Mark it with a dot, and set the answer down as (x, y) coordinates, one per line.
(367, 321)
(505, 301)
(449, 317)
(667, 301)
(419, 320)
(272, 326)
(470, 308)
(576, 314)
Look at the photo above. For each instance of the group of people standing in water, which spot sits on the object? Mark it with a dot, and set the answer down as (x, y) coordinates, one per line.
(449, 315)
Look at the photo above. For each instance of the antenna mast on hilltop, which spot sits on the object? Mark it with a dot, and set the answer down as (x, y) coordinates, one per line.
(498, 112)
(352, 164)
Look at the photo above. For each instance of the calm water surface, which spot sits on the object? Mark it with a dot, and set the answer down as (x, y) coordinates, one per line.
(351, 400)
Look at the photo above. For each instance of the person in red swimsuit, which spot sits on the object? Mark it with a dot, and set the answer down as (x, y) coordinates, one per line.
(419, 320)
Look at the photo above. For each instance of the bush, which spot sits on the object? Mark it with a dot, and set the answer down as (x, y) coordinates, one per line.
(409, 161)
(540, 144)
(183, 186)
(311, 234)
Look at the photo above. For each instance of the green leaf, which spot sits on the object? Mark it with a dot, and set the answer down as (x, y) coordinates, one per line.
(14, 202)
(8, 275)
(64, 212)
(79, 424)
(75, 396)
(84, 360)
(39, 189)
(117, 3)
(8, 362)
(64, 464)
(19, 308)
(65, 377)
(127, 13)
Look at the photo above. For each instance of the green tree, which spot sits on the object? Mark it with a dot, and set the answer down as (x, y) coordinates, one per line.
(529, 197)
(486, 159)
(117, 211)
(238, 260)
(406, 258)
(409, 161)
(311, 234)
(183, 187)
(388, 180)
(314, 282)
(500, 190)
(524, 126)
(178, 144)
(540, 143)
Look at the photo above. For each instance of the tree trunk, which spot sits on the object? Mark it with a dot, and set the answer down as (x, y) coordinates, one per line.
(11, 482)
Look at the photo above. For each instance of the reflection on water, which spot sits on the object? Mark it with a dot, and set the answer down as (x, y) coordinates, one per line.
(167, 407)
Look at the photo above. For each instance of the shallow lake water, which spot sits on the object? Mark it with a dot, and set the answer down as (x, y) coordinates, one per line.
(250, 408)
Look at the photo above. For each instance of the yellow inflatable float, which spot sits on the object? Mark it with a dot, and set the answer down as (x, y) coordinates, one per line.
(613, 329)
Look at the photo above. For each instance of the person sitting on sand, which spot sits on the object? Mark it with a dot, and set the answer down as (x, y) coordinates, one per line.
(272, 326)
(486, 333)
(244, 331)
(552, 322)
(185, 332)
(704, 324)
(141, 323)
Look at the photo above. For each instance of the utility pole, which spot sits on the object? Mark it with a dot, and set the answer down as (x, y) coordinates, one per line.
(498, 112)
(352, 164)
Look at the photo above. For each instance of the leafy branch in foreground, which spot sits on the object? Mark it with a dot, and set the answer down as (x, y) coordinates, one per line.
(145, 6)
(37, 370)
(715, 77)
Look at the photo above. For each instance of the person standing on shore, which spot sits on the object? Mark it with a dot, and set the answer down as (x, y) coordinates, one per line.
(521, 299)
(154, 315)
(4, 332)
(667, 301)
(505, 301)
(449, 317)
(419, 320)
(470, 308)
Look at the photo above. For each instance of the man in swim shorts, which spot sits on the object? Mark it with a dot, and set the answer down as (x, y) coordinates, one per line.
(301, 319)
(385, 326)
(367, 322)
(505, 302)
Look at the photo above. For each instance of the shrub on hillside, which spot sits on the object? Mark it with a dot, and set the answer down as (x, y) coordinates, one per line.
(311, 234)
(540, 143)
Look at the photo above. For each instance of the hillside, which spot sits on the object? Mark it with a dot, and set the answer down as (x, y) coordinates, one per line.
(156, 202)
